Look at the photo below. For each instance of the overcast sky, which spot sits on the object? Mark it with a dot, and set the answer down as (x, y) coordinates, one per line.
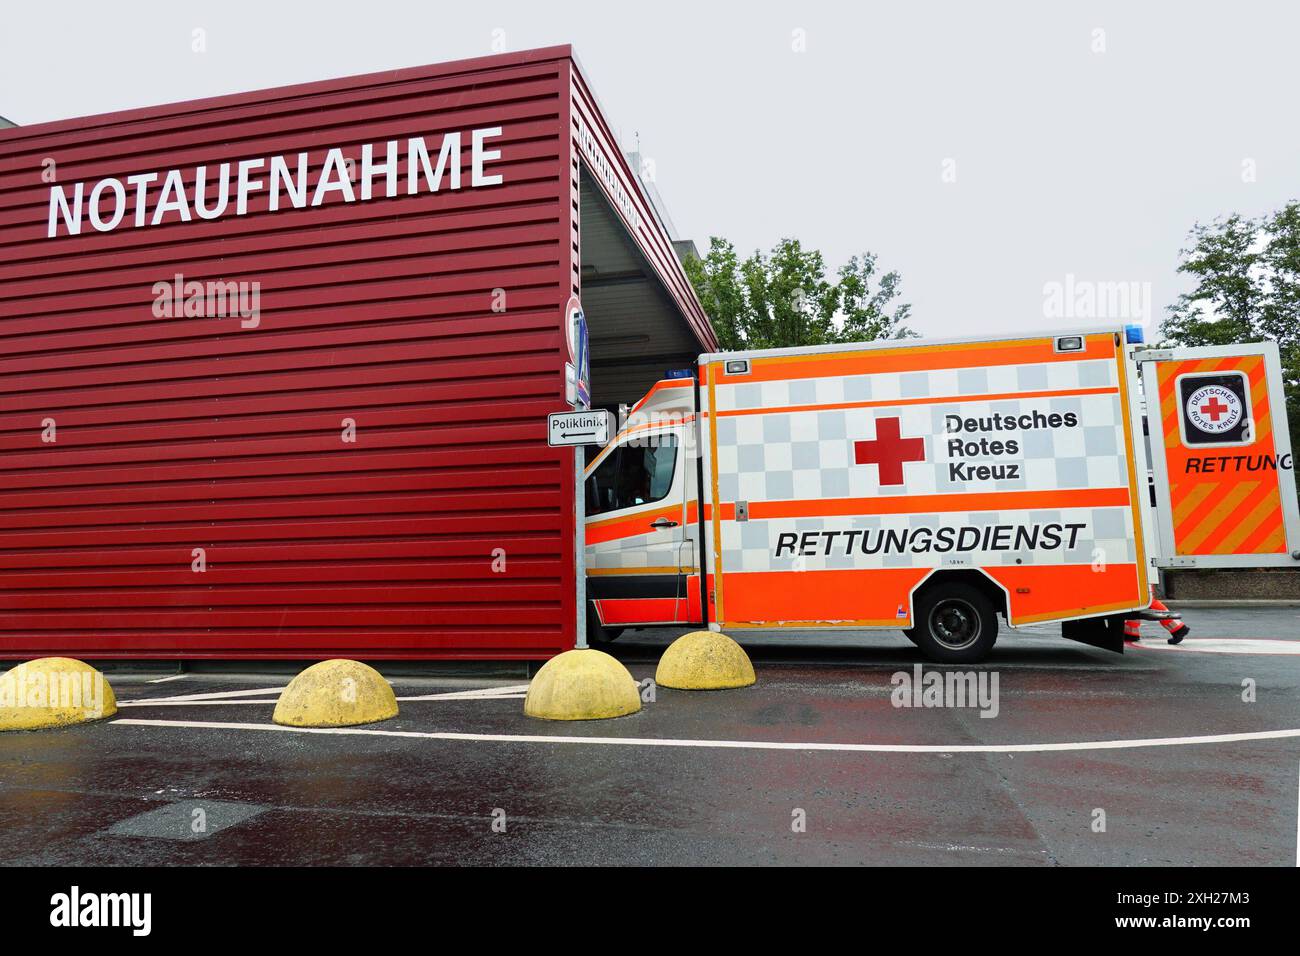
(983, 150)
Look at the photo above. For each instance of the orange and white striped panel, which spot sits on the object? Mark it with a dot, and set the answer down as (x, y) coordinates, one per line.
(1224, 495)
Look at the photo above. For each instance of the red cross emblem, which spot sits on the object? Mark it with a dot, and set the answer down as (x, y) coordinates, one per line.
(1214, 408)
(888, 450)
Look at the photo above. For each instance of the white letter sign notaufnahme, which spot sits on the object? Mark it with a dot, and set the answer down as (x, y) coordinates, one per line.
(285, 179)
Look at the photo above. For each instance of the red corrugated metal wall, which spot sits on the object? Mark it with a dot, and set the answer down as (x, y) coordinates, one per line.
(180, 433)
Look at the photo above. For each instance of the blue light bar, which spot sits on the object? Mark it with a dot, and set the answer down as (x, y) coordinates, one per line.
(1134, 335)
(678, 373)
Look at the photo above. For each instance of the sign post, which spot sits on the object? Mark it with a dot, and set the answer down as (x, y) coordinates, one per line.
(577, 388)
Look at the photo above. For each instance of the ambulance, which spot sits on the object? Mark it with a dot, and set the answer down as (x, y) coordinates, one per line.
(938, 487)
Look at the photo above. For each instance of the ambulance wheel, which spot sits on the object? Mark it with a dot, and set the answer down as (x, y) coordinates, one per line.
(955, 624)
(596, 632)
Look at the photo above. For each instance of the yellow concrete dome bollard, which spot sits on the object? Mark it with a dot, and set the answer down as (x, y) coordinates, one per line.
(582, 684)
(53, 692)
(337, 693)
(704, 660)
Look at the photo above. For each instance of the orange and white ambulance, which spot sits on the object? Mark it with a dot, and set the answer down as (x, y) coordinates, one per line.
(935, 486)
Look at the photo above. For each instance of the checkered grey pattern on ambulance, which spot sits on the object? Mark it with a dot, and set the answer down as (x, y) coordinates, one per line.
(626, 553)
(840, 438)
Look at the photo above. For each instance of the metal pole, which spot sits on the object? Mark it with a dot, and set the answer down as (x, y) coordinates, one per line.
(701, 565)
(580, 547)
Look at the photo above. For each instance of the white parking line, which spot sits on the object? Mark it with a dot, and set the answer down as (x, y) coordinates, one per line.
(163, 680)
(218, 695)
(191, 703)
(467, 697)
(1225, 645)
(491, 693)
(736, 744)
(238, 703)
(512, 692)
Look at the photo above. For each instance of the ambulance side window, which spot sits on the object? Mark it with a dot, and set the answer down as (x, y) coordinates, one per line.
(600, 486)
(633, 475)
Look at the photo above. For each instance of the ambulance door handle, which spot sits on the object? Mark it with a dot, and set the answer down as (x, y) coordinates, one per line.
(663, 523)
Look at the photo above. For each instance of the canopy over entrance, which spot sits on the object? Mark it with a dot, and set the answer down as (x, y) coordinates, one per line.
(637, 332)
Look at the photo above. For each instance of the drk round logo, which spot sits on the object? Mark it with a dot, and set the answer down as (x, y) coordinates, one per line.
(1214, 409)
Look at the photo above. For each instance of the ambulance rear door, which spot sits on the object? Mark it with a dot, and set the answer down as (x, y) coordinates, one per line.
(1221, 457)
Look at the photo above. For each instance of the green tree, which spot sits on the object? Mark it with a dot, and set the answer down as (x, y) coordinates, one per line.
(717, 283)
(866, 312)
(785, 298)
(1247, 274)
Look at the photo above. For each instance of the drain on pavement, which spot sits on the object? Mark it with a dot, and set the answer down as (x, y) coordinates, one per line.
(187, 820)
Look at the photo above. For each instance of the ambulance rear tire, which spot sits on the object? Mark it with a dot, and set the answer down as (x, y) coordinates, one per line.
(955, 624)
(597, 633)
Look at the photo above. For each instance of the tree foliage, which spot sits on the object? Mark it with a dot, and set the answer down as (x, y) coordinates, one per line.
(1247, 274)
(785, 297)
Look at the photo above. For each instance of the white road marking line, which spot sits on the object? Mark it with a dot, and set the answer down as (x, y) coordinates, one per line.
(214, 696)
(163, 680)
(484, 697)
(191, 703)
(197, 700)
(1225, 645)
(975, 849)
(507, 689)
(237, 703)
(738, 744)
(515, 690)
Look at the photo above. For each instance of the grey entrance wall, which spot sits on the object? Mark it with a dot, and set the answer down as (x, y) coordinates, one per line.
(1233, 584)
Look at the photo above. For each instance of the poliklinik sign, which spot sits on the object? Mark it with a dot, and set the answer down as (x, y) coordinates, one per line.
(287, 187)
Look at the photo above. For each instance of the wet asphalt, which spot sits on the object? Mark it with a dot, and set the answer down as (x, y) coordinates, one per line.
(112, 793)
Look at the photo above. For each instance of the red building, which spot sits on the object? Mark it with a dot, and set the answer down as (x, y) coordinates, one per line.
(276, 366)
